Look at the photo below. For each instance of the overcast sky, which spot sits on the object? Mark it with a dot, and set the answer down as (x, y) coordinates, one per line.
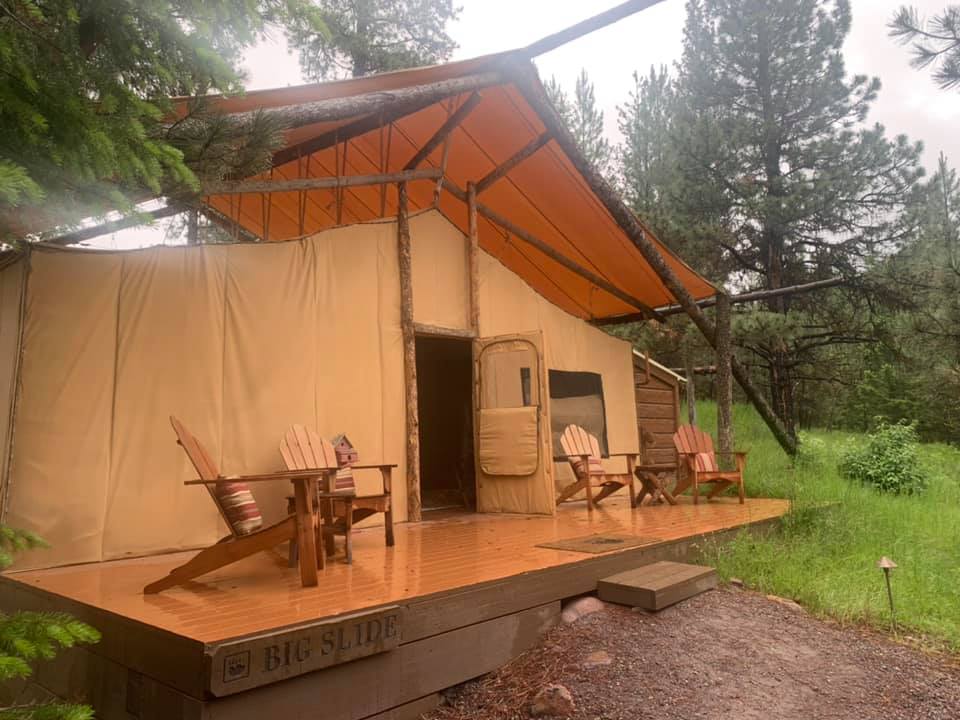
(909, 101)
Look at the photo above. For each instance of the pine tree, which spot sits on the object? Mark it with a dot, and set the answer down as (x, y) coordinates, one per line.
(84, 92)
(28, 637)
(935, 43)
(370, 36)
(645, 160)
(771, 130)
(584, 119)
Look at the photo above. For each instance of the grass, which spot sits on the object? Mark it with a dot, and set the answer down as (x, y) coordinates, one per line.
(825, 557)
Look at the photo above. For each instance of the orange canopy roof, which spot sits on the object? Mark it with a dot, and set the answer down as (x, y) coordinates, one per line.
(544, 195)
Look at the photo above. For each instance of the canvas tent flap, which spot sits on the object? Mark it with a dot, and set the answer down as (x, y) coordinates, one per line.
(59, 476)
(240, 341)
(507, 441)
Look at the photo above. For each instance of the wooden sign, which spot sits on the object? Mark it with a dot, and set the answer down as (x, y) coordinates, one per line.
(263, 659)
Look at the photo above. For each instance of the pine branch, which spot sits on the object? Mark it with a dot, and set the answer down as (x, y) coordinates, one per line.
(52, 711)
(26, 637)
(13, 541)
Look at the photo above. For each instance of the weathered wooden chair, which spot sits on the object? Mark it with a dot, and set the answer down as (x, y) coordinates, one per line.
(239, 509)
(695, 448)
(582, 451)
(339, 505)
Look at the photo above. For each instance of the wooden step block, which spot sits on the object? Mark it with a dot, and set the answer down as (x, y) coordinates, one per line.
(658, 585)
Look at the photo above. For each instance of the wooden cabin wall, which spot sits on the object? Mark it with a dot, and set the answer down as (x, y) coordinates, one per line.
(658, 410)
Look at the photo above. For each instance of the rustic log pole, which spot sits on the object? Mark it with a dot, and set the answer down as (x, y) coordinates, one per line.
(691, 387)
(511, 162)
(724, 381)
(549, 251)
(473, 258)
(449, 125)
(524, 76)
(584, 27)
(405, 262)
(752, 296)
(114, 225)
(351, 106)
(193, 226)
(319, 183)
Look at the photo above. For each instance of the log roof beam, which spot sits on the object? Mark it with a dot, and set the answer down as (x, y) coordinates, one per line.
(551, 252)
(320, 183)
(509, 164)
(451, 124)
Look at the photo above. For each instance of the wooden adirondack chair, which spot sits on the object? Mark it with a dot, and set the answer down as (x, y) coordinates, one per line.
(582, 450)
(695, 448)
(247, 536)
(340, 507)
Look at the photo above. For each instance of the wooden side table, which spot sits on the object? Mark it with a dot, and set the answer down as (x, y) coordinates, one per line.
(653, 484)
(324, 524)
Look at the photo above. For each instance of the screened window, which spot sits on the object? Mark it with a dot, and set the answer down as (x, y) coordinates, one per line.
(576, 398)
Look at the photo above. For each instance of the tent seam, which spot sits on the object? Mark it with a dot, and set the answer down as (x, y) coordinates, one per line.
(17, 386)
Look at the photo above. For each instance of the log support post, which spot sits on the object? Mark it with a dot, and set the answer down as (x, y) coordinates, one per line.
(473, 259)
(404, 254)
(691, 388)
(724, 381)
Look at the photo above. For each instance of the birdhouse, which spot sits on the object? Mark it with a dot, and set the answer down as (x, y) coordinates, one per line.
(346, 454)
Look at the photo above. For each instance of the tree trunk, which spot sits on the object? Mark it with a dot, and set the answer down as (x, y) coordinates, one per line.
(780, 373)
(193, 226)
(404, 253)
(724, 381)
(691, 388)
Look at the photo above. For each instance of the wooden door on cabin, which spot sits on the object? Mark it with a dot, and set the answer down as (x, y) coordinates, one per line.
(512, 440)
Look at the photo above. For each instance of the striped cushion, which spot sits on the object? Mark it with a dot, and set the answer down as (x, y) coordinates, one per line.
(705, 462)
(344, 482)
(239, 507)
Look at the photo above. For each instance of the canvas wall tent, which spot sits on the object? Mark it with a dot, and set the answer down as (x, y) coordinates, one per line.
(317, 325)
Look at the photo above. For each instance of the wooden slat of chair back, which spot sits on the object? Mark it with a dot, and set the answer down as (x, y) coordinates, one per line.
(303, 449)
(690, 440)
(576, 441)
(199, 457)
(202, 462)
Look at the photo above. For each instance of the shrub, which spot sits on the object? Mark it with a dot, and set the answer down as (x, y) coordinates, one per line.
(888, 460)
(811, 451)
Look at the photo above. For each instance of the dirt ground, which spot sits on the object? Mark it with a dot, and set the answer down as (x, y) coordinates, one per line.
(727, 654)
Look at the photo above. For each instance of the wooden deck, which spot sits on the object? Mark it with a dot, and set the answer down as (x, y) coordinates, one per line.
(448, 575)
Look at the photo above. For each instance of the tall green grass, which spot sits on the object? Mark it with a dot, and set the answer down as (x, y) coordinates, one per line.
(826, 552)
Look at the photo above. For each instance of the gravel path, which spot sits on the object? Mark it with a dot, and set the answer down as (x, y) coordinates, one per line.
(725, 654)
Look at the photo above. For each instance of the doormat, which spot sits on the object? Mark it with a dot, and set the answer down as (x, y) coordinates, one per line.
(596, 544)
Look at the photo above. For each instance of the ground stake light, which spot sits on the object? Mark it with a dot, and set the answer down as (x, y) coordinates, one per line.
(886, 564)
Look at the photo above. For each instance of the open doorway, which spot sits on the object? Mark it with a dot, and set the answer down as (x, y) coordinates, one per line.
(444, 393)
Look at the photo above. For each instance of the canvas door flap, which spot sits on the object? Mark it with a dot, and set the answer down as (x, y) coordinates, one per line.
(508, 441)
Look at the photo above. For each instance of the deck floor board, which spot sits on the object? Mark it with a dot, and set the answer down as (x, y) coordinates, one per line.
(436, 556)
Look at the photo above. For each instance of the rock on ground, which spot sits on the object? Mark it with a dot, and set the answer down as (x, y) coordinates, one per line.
(553, 701)
(580, 607)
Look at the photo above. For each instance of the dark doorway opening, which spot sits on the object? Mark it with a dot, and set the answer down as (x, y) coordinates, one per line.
(444, 400)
